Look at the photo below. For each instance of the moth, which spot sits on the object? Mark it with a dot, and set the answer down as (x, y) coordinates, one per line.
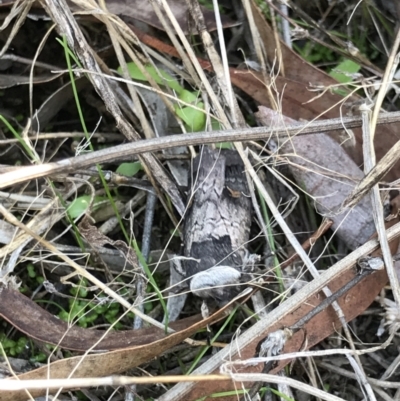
(217, 227)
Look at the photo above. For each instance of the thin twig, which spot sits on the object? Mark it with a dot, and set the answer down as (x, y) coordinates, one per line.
(146, 238)
(328, 301)
(335, 369)
(322, 229)
(241, 134)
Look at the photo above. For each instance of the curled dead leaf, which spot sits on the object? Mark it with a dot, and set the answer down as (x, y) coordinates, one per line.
(139, 346)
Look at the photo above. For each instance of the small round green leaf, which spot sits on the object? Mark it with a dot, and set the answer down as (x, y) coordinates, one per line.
(194, 119)
(80, 205)
(129, 169)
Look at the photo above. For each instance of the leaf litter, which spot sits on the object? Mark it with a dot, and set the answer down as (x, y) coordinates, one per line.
(324, 167)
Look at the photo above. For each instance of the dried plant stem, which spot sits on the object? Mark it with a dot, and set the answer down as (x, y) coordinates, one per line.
(344, 372)
(377, 207)
(261, 52)
(368, 129)
(103, 381)
(391, 67)
(203, 138)
(223, 80)
(268, 378)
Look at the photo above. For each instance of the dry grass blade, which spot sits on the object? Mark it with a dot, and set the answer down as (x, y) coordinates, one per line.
(370, 161)
(373, 177)
(224, 84)
(125, 381)
(20, 9)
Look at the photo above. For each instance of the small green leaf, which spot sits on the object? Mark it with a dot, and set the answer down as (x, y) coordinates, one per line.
(31, 270)
(80, 205)
(189, 97)
(8, 343)
(83, 292)
(175, 233)
(344, 71)
(100, 309)
(129, 169)
(224, 145)
(194, 119)
(22, 341)
(63, 315)
(80, 290)
(91, 317)
(111, 315)
(164, 79)
(40, 357)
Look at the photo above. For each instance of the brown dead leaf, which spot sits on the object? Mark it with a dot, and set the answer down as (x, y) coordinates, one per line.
(94, 365)
(328, 175)
(143, 11)
(24, 314)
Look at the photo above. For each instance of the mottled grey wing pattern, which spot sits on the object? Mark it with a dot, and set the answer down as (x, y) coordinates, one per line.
(217, 226)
